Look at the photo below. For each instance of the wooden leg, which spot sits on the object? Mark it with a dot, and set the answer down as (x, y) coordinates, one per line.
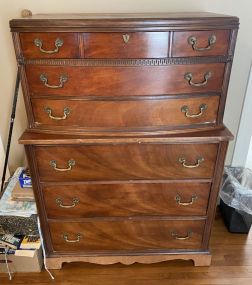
(202, 260)
(54, 263)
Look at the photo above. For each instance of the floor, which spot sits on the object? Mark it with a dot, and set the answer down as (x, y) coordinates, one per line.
(231, 264)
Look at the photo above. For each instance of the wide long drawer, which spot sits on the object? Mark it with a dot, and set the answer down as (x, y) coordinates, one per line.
(125, 161)
(129, 199)
(124, 81)
(109, 114)
(133, 235)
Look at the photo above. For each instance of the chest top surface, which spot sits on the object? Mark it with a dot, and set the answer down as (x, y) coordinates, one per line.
(123, 20)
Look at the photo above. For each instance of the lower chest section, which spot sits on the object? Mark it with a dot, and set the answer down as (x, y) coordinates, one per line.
(126, 197)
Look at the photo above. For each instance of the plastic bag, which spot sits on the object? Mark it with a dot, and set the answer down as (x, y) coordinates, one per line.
(236, 189)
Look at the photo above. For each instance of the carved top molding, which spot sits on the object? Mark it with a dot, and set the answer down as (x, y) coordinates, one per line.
(113, 21)
(127, 62)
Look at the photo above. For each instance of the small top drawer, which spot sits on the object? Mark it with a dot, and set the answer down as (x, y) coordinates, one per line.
(49, 45)
(200, 43)
(126, 45)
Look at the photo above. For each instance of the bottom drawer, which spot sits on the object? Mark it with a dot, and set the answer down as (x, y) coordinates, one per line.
(126, 235)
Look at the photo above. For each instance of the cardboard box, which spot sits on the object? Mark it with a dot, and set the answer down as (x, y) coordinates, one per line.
(31, 262)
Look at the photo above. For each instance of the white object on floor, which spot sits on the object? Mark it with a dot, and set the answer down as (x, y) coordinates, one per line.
(8, 207)
(43, 250)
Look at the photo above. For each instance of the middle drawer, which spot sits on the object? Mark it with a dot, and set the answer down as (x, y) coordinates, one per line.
(128, 199)
(124, 81)
(109, 114)
(126, 161)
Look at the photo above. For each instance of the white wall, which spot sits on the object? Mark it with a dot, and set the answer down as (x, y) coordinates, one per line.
(243, 147)
(2, 157)
(12, 8)
(248, 162)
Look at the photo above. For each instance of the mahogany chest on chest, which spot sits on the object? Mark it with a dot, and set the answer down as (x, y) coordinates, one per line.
(125, 142)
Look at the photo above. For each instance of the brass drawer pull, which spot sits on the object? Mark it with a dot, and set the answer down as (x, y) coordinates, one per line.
(58, 43)
(175, 235)
(185, 109)
(78, 238)
(66, 112)
(75, 202)
(182, 160)
(193, 42)
(126, 38)
(63, 78)
(71, 163)
(178, 200)
(189, 77)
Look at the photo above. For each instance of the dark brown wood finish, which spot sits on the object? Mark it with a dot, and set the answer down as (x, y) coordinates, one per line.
(136, 199)
(182, 47)
(68, 49)
(124, 81)
(136, 154)
(31, 137)
(215, 191)
(113, 22)
(124, 162)
(30, 154)
(109, 114)
(126, 45)
(127, 235)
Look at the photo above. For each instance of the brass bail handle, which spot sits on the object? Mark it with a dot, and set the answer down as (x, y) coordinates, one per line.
(189, 78)
(75, 202)
(185, 109)
(175, 235)
(66, 112)
(71, 163)
(192, 40)
(178, 200)
(58, 43)
(78, 238)
(62, 79)
(182, 160)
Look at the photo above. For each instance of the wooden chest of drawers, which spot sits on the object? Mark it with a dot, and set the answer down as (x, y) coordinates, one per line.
(125, 142)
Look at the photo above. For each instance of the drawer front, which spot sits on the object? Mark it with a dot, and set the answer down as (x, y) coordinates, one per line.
(77, 201)
(200, 43)
(126, 161)
(49, 45)
(126, 114)
(124, 81)
(126, 235)
(126, 45)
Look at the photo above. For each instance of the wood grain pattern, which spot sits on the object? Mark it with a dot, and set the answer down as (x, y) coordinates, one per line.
(139, 45)
(125, 199)
(126, 235)
(123, 162)
(126, 114)
(181, 47)
(231, 263)
(69, 49)
(124, 81)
